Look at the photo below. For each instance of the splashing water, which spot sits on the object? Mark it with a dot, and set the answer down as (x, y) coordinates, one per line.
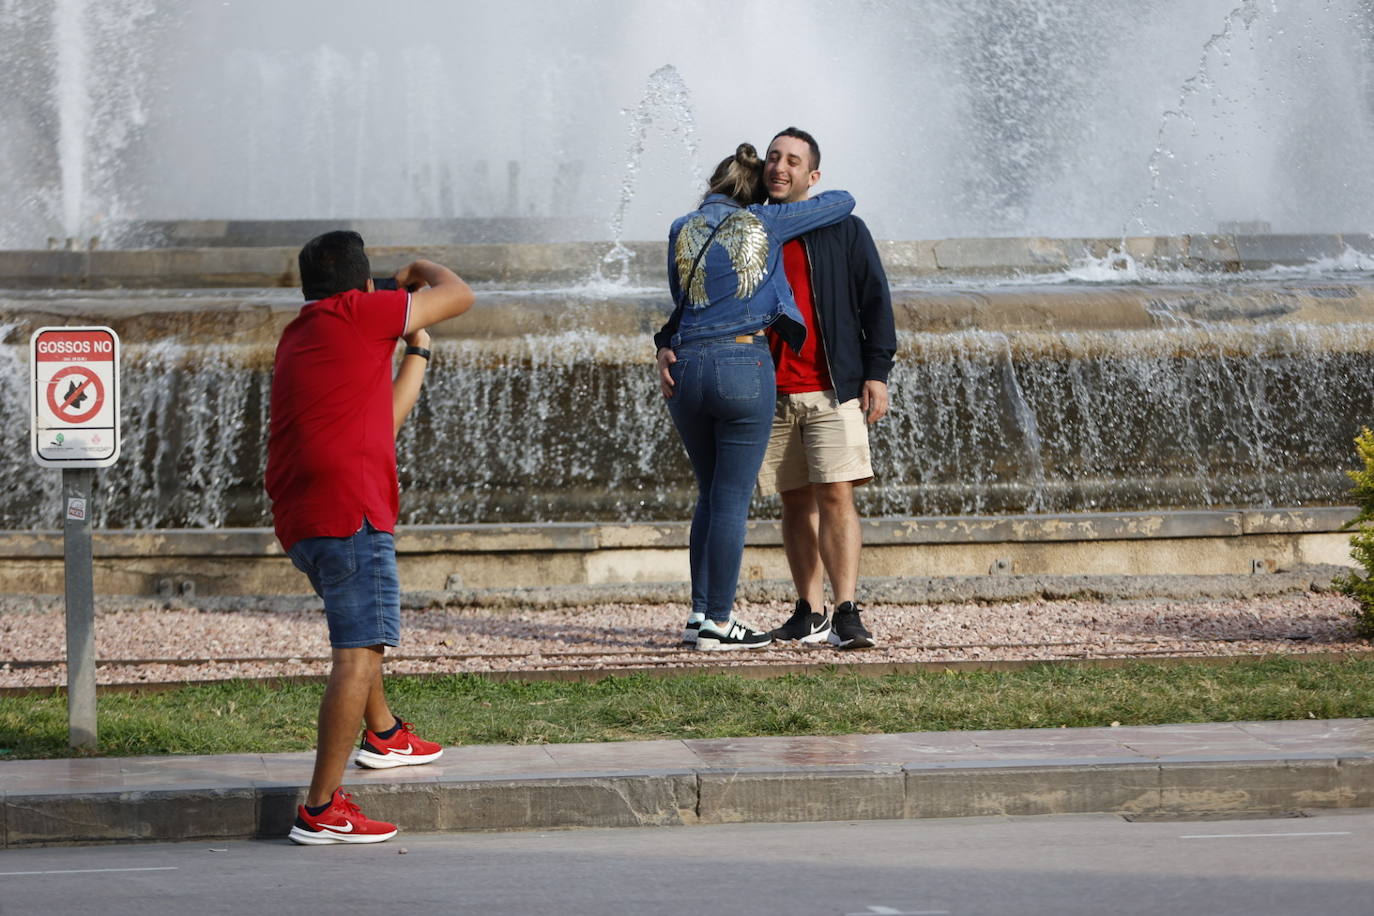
(29, 495)
(1058, 118)
(667, 103)
(569, 426)
(73, 108)
(1245, 14)
(97, 96)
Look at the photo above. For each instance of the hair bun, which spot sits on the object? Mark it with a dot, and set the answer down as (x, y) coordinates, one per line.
(745, 154)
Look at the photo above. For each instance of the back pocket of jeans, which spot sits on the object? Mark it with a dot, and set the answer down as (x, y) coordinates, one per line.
(738, 379)
(338, 561)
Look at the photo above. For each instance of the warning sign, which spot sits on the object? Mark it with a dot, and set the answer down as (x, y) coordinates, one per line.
(82, 385)
(75, 397)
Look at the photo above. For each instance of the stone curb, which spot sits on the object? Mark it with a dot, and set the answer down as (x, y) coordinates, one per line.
(875, 590)
(914, 590)
(1175, 553)
(679, 797)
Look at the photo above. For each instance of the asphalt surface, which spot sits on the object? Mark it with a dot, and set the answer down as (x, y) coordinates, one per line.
(1065, 865)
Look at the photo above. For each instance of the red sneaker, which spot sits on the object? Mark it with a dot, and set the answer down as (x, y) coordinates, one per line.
(404, 748)
(341, 822)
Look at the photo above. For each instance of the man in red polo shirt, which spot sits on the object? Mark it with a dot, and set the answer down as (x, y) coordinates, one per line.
(331, 475)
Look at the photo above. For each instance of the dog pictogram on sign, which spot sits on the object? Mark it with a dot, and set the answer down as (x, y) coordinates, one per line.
(75, 397)
(75, 394)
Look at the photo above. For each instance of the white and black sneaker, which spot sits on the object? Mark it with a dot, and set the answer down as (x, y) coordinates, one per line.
(689, 632)
(714, 636)
(804, 626)
(847, 630)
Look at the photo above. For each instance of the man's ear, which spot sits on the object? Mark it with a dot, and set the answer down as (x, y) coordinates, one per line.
(814, 177)
(371, 287)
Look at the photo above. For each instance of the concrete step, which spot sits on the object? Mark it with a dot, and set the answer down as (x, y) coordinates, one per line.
(1184, 771)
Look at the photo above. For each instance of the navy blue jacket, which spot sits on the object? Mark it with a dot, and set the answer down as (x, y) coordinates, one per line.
(853, 305)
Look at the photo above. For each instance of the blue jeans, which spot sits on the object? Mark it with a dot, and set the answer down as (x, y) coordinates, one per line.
(722, 406)
(357, 578)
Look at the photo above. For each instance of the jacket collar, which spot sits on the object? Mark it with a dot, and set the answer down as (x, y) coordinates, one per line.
(725, 199)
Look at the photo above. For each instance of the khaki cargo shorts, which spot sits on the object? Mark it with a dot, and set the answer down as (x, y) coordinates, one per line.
(815, 439)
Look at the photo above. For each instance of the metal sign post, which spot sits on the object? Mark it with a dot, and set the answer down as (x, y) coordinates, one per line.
(75, 426)
(80, 582)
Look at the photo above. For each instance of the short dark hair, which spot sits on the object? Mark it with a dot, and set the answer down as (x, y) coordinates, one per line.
(333, 263)
(805, 138)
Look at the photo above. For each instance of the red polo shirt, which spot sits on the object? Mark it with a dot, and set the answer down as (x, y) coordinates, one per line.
(331, 452)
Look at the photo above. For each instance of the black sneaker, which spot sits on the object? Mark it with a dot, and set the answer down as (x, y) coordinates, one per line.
(847, 630)
(804, 626)
(720, 637)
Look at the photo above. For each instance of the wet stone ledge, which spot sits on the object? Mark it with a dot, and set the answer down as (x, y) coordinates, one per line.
(583, 536)
(209, 265)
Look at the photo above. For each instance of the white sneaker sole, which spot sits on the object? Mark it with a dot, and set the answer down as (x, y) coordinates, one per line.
(715, 645)
(385, 762)
(327, 838)
(811, 640)
(857, 643)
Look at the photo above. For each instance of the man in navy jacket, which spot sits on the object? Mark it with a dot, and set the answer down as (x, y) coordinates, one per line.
(827, 397)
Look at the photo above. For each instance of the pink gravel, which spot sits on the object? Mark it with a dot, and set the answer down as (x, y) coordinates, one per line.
(279, 643)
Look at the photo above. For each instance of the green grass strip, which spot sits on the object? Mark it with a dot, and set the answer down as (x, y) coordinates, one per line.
(245, 717)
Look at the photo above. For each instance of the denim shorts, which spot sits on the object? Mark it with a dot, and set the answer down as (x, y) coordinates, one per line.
(356, 576)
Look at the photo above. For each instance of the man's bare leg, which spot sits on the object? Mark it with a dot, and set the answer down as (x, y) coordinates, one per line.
(840, 537)
(377, 715)
(801, 544)
(352, 678)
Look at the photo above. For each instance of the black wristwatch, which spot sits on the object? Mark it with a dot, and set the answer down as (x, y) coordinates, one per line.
(417, 351)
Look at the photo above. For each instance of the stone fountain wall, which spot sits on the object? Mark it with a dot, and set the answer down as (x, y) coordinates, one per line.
(540, 405)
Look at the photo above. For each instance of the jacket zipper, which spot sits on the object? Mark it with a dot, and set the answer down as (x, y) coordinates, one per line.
(816, 310)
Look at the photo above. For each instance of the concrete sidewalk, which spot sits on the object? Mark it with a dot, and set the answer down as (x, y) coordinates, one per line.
(1166, 771)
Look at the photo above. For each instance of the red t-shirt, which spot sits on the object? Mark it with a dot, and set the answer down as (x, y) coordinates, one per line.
(331, 453)
(799, 373)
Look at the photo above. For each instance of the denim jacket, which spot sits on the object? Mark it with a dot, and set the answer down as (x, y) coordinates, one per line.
(739, 284)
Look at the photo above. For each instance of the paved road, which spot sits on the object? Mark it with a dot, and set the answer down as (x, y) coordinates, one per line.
(1066, 865)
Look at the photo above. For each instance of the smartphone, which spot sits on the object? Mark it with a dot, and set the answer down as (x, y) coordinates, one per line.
(381, 283)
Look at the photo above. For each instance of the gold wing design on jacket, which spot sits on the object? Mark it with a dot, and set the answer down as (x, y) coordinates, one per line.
(690, 240)
(745, 241)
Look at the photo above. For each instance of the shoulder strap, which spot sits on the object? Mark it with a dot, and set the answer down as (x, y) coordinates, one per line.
(687, 284)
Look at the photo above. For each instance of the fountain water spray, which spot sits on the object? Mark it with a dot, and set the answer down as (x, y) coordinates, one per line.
(73, 108)
(569, 426)
(1246, 14)
(668, 103)
(1014, 119)
(100, 74)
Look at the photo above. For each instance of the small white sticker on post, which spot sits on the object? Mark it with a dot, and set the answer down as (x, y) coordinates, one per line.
(76, 509)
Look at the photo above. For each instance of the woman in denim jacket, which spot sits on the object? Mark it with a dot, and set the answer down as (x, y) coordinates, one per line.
(727, 282)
